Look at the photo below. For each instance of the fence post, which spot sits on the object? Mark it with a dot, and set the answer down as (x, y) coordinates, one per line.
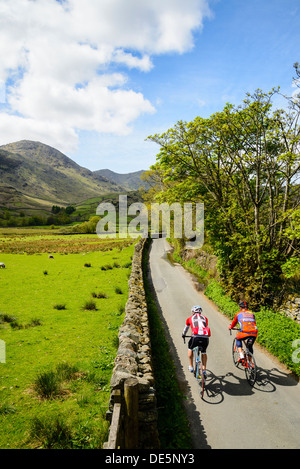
(131, 395)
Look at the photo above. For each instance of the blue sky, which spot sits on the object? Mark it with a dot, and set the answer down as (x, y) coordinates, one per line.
(94, 79)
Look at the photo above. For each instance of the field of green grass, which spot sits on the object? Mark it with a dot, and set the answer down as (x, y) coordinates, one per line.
(59, 319)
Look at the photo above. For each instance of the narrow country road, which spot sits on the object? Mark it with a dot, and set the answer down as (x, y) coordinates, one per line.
(232, 414)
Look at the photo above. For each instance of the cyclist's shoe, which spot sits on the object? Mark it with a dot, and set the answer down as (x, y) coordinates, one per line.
(204, 375)
(191, 369)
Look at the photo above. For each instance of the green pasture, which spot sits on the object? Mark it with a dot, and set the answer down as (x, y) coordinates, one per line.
(60, 312)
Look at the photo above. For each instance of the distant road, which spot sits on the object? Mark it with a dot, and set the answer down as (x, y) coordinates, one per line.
(232, 414)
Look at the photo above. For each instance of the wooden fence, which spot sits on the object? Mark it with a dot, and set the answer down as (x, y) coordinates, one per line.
(124, 427)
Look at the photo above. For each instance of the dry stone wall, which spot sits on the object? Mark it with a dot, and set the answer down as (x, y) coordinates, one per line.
(133, 358)
(291, 308)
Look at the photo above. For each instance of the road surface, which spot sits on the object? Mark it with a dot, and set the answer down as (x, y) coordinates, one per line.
(232, 414)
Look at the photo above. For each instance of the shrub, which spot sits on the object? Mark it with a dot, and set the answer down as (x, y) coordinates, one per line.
(90, 306)
(65, 371)
(99, 295)
(48, 385)
(59, 307)
(35, 322)
(15, 325)
(215, 292)
(6, 409)
(52, 432)
(7, 318)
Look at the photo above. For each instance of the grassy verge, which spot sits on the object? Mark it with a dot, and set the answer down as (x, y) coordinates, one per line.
(59, 319)
(172, 420)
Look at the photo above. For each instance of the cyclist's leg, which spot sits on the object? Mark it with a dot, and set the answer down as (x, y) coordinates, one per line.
(239, 347)
(191, 354)
(250, 342)
(203, 344)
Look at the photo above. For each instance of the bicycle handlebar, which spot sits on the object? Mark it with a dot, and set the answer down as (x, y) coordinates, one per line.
(184, 337)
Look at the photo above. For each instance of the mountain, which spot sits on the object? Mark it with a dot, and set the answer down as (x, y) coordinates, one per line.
(130, 181)
(36, 174)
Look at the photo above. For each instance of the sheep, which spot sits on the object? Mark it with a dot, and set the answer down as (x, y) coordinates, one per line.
(2, 266)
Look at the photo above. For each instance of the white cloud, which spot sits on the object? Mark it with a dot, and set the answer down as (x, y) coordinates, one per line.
(56, 59)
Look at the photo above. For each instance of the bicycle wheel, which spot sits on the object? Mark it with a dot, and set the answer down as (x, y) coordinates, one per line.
(250, 368)
(235, 354)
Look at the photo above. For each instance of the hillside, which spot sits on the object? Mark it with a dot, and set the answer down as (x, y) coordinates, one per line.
(130, 181)
(32, 173)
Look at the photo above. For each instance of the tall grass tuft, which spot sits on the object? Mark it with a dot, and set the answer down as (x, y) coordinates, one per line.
(52, 432)
(59, 307)
(48, 385)
(90, 306)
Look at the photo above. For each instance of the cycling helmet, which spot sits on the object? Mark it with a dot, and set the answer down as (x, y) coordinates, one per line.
(196, 309)
(243, 305)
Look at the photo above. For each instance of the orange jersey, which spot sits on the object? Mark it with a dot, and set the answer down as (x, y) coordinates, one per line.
(246, 320)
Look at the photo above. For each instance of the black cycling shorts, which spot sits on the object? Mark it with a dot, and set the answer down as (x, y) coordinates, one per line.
(198, 341)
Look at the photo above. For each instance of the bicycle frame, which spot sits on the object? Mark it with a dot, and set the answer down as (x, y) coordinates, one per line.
(248, 363)
(198, 368)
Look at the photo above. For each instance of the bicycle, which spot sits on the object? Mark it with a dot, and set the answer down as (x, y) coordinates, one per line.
(198, 368)
(248, 362)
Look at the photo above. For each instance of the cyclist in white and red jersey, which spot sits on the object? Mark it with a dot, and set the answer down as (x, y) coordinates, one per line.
(199, 337)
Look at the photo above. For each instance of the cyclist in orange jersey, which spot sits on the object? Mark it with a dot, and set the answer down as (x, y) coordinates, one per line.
(248, 328)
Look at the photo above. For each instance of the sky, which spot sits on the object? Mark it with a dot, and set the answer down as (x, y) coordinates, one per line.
(95, 78)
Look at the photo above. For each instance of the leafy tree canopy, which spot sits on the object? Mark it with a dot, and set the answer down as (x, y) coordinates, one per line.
(243, 163)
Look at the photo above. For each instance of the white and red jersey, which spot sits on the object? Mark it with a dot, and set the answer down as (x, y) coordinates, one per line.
(198, 324)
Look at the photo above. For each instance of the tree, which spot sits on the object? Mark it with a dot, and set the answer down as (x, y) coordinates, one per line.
(70, 209)
(243, 163)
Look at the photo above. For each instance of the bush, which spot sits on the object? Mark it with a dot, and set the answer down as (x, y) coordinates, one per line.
(59, 307)
(90, 306)
(48, 385)
(52, 432)
(215, 292)
(99, 295)
(34, 323)
(65, 371)
(7, 318)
